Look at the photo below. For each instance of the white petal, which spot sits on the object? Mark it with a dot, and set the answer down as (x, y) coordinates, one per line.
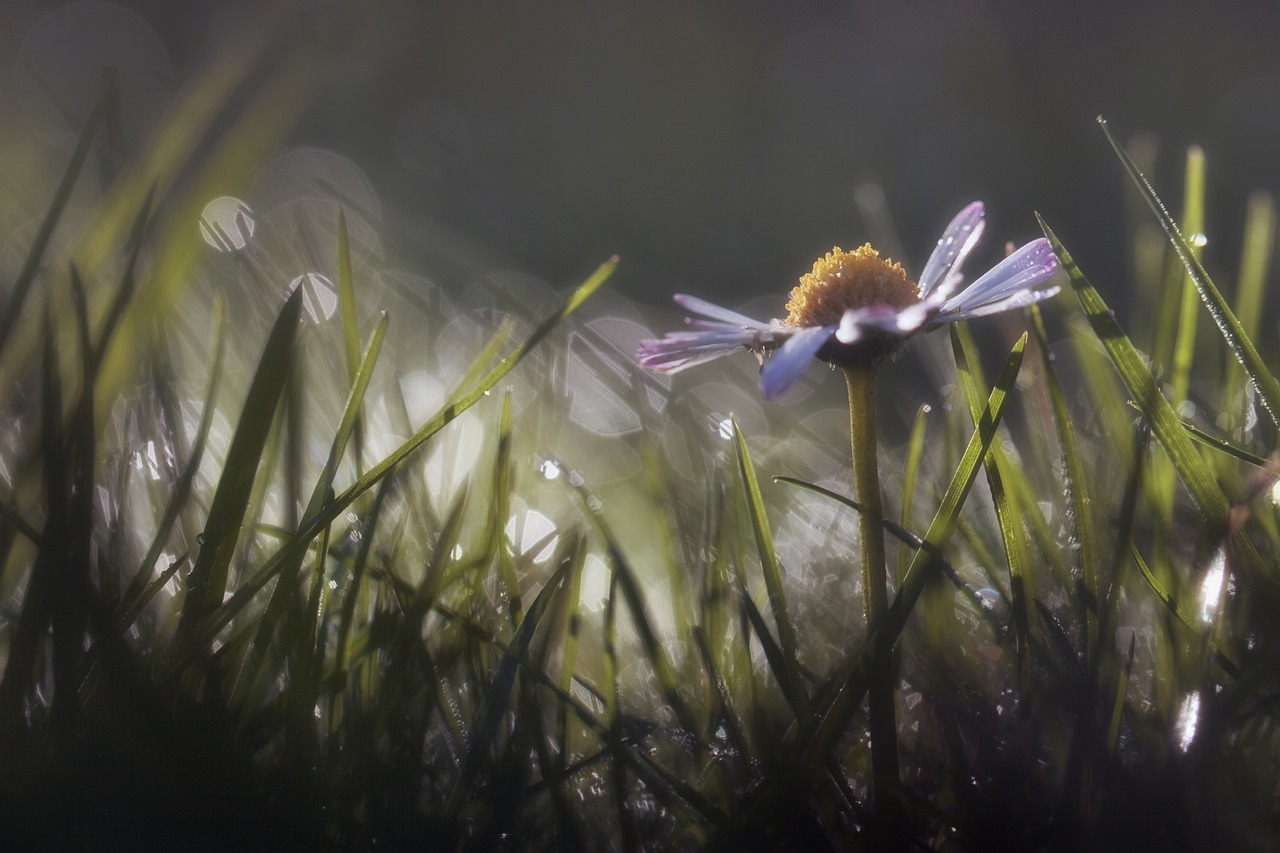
(1029, 266)
(941, 271)
(715, 312)
(1020, 299)
(785, 366)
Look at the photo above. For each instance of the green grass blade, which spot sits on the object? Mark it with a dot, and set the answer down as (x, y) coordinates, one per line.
(1223, 446)
(971, 380)
(208, 579)
(1232, 332)
(350, 322)
(1135, 374)
(460, 403)
(499, 510)
(1122, 689)
(910, 475)
(790, 676)
(847, 697)
(31, 266)
(1192, 223)
(1076, 486)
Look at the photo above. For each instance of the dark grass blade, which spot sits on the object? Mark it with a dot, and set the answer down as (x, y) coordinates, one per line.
(850, 684)
(1225, 319)
(1122, 690)
(42, 588)
(790, 675)
(31, 266)
(485, 734)
(208, 579)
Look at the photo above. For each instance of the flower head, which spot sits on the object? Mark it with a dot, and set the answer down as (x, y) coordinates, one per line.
(857, 308)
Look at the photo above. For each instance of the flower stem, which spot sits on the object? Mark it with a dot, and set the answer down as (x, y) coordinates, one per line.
(861, 380)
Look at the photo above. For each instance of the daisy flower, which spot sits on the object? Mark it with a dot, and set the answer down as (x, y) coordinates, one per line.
(856, 308)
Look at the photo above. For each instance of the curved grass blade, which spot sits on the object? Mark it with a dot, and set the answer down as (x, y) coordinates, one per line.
(852, 681)
(1232, 332)
(208, 579)
(1224, 446)
(911, 472)
(1171, 602)
(790, 675)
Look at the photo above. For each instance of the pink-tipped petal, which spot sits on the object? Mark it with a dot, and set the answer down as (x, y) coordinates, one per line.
(785, 366)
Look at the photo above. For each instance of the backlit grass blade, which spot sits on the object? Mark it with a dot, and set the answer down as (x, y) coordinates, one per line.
(208, 579)
(31, 265)
(1076, 488)
(910, 475)
(1136, 375)
(969, 369)
(772, 575)
(1225, 447)
(1261, 377)
(847, 697)
(1192, 223)
(499, 511)
(459, 404)
(350, 322)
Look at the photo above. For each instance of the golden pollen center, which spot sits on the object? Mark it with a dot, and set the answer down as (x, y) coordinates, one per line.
(843, 280)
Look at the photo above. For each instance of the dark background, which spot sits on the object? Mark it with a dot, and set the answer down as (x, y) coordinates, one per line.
(719, 147)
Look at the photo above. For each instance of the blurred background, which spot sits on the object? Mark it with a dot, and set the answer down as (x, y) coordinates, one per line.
(718, 147)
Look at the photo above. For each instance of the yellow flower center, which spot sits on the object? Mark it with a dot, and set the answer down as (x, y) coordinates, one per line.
(844, 280)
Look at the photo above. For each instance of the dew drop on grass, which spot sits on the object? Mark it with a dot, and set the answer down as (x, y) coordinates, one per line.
(549, 469)
(1198, 240)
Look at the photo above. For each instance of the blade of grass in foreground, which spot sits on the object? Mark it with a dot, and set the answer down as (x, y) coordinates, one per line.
(208, 579)
(772, 570)
(1265, 383)
(851, 682)
(1164, 423)
(970, 371)
(459, 404)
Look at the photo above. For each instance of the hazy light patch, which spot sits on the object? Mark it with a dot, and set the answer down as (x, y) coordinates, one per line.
(1211, 586)
(595, 583)
(227, 224)
(319, 296)
(1187, 720)
(600, 375)
(722, 425)
(549, 469)
(525, 530)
